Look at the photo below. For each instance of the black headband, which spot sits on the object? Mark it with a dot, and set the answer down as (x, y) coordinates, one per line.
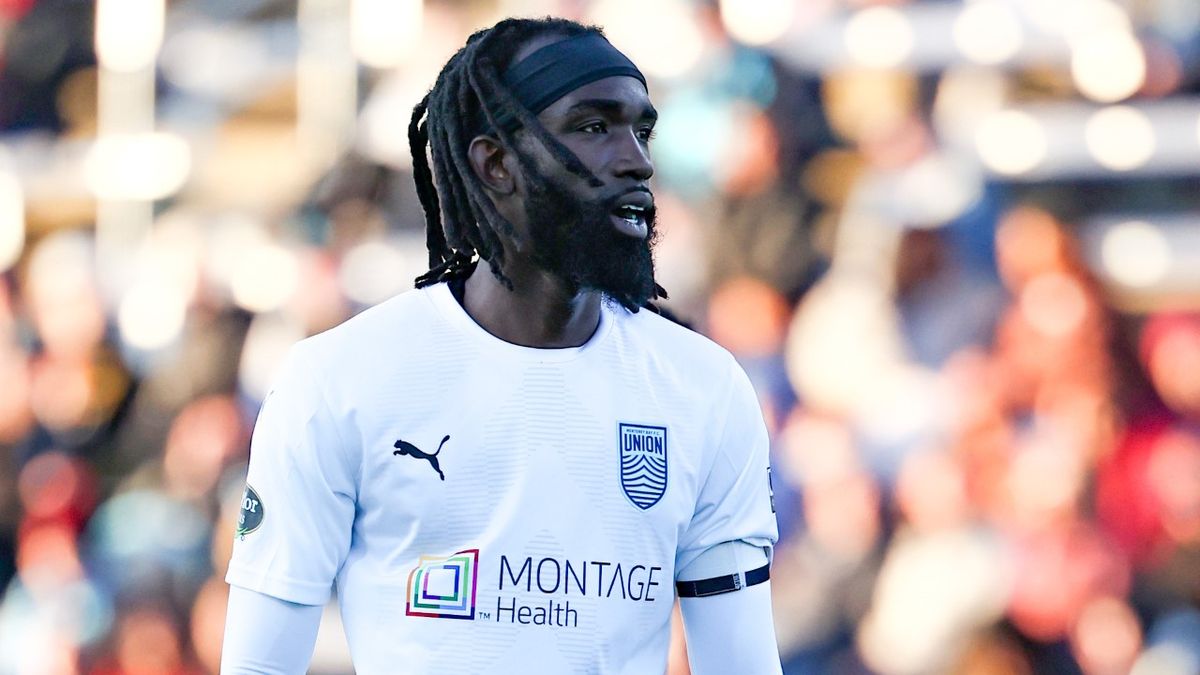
(561, 67)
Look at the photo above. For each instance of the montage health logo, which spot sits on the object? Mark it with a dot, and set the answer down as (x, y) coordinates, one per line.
(443, 587)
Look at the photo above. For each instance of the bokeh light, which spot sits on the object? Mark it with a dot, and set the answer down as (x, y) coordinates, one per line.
(61, 290)
(635, 27)
(129, 33)
(1011, 142)
(1120, 137)
(1136, 253)
(879, 37)
(1107, 636)
(1108, 66)
(47, 556)
(836, 356)
(1170, 348)
(265, 278)
(987, 32)
(374, 271)
(61, 392)
(12, 219)
(1076, 19)
(151, 316)
(138, 166)
(54, 488)
(223, 61)
(757, 23)
(383, 33)
(1054, 304)
(1029, 241)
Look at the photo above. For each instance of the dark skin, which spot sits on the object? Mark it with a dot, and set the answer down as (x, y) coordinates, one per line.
(607, 125)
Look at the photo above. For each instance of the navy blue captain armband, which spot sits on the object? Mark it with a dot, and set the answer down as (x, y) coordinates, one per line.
(723, 584)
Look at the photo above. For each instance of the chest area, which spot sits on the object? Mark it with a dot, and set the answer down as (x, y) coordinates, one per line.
(540, 458)
(533, 466)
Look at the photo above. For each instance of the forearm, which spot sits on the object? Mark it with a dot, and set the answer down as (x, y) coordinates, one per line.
(731, 632)
(267, 636)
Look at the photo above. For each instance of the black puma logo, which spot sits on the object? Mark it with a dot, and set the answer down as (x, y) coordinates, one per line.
(411, 450)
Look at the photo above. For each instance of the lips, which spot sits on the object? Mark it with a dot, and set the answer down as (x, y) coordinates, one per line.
(631, 212)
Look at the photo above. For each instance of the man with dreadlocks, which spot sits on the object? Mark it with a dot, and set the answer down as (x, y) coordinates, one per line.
(512, 468)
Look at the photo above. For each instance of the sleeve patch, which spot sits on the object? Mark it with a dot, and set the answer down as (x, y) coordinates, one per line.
(250, 517)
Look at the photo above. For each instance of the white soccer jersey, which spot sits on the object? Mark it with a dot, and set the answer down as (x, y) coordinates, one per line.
(487, 507)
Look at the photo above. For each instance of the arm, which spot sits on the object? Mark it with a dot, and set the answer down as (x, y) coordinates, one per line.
(266, 635)
(725, 598)
(723, 562)
(731, 632)
(294, 528)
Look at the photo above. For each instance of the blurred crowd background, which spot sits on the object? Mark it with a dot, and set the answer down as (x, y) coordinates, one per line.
(955, 244)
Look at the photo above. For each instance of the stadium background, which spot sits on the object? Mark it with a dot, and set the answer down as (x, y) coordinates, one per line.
(956, 245)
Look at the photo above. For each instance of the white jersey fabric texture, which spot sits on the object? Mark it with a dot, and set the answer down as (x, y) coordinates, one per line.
(486, 507)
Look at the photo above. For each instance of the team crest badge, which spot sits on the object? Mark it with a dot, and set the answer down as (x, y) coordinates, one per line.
(643, 463)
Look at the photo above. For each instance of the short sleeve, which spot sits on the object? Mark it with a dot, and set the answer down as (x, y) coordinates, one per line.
(298, 507)
(735, 498)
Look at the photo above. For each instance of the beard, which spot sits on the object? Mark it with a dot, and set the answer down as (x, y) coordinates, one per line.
(574, 239)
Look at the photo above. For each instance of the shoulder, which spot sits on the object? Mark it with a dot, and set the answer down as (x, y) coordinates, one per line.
(677, 347)
(392, 326)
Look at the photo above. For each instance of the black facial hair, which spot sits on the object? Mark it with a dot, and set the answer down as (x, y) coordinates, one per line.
(574, 239)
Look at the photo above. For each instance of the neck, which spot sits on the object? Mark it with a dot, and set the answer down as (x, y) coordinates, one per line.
(538, 312)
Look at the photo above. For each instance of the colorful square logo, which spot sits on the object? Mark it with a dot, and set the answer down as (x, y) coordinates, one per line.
(443, 587)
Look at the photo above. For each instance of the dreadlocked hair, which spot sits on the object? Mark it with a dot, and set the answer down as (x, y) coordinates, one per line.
(469, 97)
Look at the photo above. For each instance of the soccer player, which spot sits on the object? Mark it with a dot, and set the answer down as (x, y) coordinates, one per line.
(518, 466)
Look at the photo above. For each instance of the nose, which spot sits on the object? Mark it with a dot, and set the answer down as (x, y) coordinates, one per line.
(633, 158)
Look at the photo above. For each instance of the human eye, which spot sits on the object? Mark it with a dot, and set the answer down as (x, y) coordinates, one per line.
(593, 127)
(646, 134)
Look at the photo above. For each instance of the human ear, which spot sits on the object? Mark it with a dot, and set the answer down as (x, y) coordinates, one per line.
(488, 160)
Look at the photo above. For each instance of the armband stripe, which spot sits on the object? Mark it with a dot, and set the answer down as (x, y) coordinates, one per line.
(724, 584)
